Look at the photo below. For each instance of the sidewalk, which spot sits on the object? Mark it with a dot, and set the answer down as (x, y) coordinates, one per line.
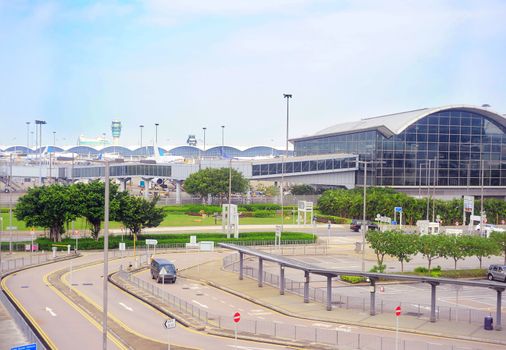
(293, 305)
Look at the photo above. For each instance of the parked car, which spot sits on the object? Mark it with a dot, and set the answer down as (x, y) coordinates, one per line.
(497, 272)
(356, 224)
(163, 270)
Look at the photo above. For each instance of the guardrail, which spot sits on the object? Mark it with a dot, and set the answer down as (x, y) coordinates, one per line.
(420, 311)
(23, 326)
(338, 336)
(8, 265)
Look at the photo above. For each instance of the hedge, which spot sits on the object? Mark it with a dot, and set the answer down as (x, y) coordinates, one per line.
(352, 279)
(333, 219)
(89, 243)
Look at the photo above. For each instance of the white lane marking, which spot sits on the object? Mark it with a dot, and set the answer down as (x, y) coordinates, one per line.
(231, 305)
(200, 304)
(48, 309)
(246, 347)
(126, 307)
(222, 301)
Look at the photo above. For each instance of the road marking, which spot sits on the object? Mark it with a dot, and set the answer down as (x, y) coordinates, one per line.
(200, 304)
(126, 307)
(344, 328)
(51, 312)
(246, 347)
(323, 325)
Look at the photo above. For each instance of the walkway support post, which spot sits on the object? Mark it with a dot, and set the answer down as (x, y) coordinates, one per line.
(178, 192)
(372, 308)
(306, 286)
(498, 325)
(433, 286)
(241, 265)
(260, 272)
(329, 292)
(281, 280)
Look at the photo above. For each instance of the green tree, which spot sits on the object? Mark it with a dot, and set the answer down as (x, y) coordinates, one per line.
(402, 246)
(49, 207)
(300, 190)
(455, 248)
(92, 203)
(215, 182)
(480, 247)
(379, 242)
(431, 247)
(137, 213)
(500, 240)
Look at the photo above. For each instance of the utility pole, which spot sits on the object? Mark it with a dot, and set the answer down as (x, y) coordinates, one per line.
(288, 97)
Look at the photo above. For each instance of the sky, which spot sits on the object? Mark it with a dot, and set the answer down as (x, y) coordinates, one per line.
(189, 64)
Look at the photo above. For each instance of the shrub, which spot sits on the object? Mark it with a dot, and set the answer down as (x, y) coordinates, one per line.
(259, 206)
(378, 268)
(352, 279)
(333, 219)
(421, 269)
(207, 209)
(264, 214)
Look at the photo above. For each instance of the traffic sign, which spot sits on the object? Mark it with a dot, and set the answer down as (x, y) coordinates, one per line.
(398, 209)
(394, 222)
(26, 347)
(122, 246)
(398, 311)
(151, 242)
(12, 228)
(237, 317)
(170, 323)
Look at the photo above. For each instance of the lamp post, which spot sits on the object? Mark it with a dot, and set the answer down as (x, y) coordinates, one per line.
(223, 140)
(156, 133)
(40, 123)
(288, 97)
(364, 226)
(28, 134)
(204, 128)
(54, 138)
(106, 258)
(482, 163)
(141, 126)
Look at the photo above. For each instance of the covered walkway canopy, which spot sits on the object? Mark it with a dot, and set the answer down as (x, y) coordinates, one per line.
(373, 277)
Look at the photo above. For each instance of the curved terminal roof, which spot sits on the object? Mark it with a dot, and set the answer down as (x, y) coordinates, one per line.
(394, 124)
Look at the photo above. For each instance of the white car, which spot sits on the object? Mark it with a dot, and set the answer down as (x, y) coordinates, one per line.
(489, 229)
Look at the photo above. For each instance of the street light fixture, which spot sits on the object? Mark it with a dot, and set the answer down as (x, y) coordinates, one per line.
(288, 97)
(141, 126)
(28, 134)
(54, 138)
(156, 133)
(40, 123)
(204, 128)
(223, 140)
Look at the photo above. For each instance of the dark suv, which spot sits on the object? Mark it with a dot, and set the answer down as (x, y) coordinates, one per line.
(356, 224)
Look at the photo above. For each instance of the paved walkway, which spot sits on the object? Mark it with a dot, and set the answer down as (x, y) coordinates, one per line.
(293, 305)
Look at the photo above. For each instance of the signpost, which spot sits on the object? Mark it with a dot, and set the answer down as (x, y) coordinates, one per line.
(397, 314)
(152, 242)
(169, 324)
(237, 318)
(277, 238)
(398, 210)
(162, 273)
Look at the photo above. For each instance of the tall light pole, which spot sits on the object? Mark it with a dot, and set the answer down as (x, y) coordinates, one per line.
(40, 123)
(288, 97)
(223, 140)
(28, 134)
(106, 258)
(141, 127)
(204, 128)
(156, 133)
(54, 138)
(428, 190)
(364, 226)
(482, 163)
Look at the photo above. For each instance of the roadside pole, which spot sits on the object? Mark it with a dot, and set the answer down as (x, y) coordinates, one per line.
(397, 315)
(328, 235)
(237, 318)
(169, 324)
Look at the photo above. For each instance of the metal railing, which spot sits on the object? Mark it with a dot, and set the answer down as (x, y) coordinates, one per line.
(336, 336)
(32, 259)
(420, 311)
(23, 326)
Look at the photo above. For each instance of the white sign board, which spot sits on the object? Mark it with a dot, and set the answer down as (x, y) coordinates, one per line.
(469, 204)
(163, 272)
(475, 218)
(122, 246)
(170, 323)
(278, 231)
(151, 242)
(12, 228)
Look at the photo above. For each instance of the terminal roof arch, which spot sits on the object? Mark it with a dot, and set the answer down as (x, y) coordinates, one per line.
(394, 124)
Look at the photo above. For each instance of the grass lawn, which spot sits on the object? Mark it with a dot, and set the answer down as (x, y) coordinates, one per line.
(171, 220)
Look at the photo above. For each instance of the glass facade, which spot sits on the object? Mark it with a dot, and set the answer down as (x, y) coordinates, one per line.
(452, 143)
(124, 170)
(304, 166)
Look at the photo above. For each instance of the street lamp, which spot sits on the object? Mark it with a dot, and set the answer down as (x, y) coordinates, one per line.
(141, 126)
(156, 133)
(364, 226)
(204, 128)
(288, 97)
(223, 140)
(54, 138)
(40, 123)
(28, 134)
(106, 258)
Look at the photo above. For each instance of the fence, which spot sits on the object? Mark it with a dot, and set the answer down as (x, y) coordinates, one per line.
(8, 265)
(23, 326)
(319, 295)
(342, 338)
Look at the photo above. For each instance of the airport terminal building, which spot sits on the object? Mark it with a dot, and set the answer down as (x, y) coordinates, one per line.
(450, 148)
